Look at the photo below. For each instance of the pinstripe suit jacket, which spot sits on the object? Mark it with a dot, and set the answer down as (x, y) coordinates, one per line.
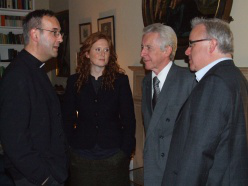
(160, 122)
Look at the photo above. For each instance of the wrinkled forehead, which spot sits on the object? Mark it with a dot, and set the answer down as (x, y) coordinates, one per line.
(151, 38)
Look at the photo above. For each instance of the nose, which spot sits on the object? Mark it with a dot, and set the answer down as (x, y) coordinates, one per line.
(188, 51)
(102, 53)
(143, 52)
(60, 38)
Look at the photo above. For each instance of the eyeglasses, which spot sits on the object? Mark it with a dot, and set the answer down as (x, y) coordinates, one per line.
(196, 41)
(100, 50)
(55, 32)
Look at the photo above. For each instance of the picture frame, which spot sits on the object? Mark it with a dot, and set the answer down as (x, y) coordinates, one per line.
(179, 16)
(85, 29)
(107, 26)
(63, 58)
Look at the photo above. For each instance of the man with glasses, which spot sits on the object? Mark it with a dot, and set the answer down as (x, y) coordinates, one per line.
(164, 91)
(30, 117)
(209, 142)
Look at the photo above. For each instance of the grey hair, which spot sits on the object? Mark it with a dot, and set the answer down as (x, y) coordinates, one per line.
(168, 36)
(219, 30)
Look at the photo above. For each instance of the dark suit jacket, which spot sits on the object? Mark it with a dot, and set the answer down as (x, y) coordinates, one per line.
(160, 122)
(209, 146)
(30, 123)
(105, 118)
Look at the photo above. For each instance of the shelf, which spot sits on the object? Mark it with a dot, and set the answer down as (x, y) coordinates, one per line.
(16, 29)
(10, 27)
(9, 45)
(14, 10)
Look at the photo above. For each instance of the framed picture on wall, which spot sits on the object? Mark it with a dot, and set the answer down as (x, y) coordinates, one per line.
(179, 15)
(84, 31)
(107, 26)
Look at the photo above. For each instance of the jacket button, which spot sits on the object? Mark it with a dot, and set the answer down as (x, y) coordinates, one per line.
(96, 114)
(95, 100)
(161, 137)
(97, 127)
(167, 120)
(162, 154)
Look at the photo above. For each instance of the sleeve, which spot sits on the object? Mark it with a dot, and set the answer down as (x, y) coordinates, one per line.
(127, 117)
(16, 138)
(69, 108)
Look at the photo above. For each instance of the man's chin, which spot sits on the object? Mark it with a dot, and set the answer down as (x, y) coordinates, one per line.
(147, 67)
(55, 54)
(192, 68)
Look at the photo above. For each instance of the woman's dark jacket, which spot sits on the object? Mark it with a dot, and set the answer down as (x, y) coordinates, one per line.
(105, 118)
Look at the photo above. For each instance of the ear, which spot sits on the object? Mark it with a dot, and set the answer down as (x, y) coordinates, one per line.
(168, 50)
(87, 55)
(213, 45)
(34, 35)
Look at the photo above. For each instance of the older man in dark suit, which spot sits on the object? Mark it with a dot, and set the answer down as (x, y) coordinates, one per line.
(30, 120)
(160, 109)
(209, 143)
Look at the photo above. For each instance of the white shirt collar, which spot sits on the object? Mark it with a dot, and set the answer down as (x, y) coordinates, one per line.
(42, 65)
(200, 73)
(162, 75)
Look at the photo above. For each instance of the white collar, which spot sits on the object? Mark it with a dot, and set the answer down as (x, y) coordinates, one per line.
(163, 74)
(200, 73)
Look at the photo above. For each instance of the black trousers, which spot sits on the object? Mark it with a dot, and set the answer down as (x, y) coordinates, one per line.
(113, 171)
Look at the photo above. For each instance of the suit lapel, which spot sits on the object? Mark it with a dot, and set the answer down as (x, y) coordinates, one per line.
(163, 99)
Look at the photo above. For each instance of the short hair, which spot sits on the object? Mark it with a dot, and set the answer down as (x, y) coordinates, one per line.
(167, 35)
(219, 30)
(33, 20)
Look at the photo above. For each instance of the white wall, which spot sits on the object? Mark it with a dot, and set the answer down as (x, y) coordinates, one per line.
(41, 4)
(129, 25)
(240, 30)
(58, 5)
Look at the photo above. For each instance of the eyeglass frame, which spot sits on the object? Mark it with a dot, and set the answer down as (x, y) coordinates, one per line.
(56, 33)
(196, 41)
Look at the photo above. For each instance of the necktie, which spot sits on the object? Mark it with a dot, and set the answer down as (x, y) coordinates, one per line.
(156, 91)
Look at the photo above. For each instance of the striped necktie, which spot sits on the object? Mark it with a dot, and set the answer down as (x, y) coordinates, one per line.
(156, 91)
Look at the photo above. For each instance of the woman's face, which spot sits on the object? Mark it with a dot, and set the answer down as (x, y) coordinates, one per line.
(99, 54)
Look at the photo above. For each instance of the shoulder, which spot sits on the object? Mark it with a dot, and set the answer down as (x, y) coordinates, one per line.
(17, 71)
(184, 70)
(225, 73)
(71, 82)
(121, 77)
(73, 78)
(147, 77)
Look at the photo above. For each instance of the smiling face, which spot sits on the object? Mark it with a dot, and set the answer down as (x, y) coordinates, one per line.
(48, 43)
(99, 54)
(153, 57)
(198, 51)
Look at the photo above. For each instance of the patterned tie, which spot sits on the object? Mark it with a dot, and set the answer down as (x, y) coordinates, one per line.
(156, 91)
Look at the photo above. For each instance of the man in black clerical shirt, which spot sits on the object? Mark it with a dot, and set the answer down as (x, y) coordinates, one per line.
(30, 120)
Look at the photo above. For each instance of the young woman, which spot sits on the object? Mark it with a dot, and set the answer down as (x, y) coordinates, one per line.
(99, 118)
